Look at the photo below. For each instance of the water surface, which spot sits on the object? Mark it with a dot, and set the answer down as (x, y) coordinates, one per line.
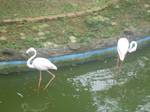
(91, 87)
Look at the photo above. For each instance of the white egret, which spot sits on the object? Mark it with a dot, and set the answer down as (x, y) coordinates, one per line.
(41, 64)
(123, 46)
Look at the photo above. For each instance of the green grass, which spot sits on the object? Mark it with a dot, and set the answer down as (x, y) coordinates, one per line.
(33, 8)
(109, 23)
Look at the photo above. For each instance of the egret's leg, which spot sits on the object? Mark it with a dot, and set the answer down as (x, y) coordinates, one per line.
(40, 79)
(120, 66)
(53, 76)
(118, 61)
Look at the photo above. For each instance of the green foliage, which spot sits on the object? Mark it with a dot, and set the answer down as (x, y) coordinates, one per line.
(33, 8)
(31, 42)
(96, 21)
(70, 7)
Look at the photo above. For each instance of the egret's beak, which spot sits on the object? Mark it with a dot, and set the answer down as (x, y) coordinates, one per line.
(27, 52)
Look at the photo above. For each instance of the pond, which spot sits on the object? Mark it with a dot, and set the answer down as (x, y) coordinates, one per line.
(90, 87)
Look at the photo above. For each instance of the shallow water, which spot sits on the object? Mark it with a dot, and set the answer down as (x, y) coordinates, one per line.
(91, 87)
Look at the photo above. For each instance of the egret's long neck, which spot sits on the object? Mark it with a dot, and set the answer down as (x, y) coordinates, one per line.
(132, 47)
(29, 63)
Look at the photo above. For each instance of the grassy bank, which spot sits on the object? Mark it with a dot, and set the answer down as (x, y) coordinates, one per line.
(131, 15)
(33, 8)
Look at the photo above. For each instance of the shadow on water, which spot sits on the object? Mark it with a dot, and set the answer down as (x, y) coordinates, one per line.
(91, 87)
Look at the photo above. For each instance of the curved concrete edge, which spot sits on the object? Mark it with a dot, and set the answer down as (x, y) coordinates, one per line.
(63, 60)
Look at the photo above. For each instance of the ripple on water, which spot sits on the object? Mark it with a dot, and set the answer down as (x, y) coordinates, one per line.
(107, 105)
(96, 80)
(145, 107)
(27, 108)
(104, 79)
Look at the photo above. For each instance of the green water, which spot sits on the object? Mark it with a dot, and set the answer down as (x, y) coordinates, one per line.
(91, 87)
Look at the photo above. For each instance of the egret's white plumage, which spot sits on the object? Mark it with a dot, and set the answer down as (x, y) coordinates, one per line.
(132, 47)
(41, 64)
(124, 46)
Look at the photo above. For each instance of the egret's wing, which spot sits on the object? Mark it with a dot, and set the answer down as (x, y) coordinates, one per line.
(44, 63)
(122, 47)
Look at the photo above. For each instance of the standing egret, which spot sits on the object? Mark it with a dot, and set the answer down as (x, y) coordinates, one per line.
(123, 46)
(41, 64)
